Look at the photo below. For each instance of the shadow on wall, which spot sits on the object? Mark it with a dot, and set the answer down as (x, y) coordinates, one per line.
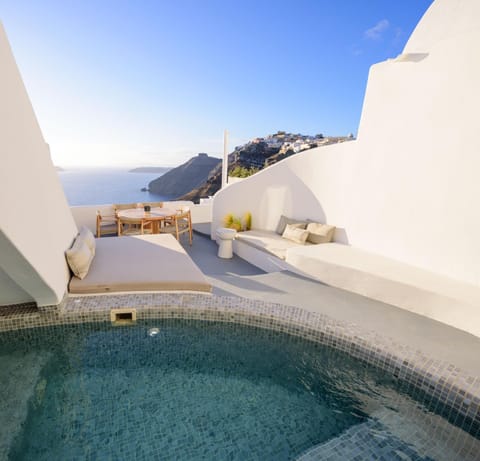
(295, 200)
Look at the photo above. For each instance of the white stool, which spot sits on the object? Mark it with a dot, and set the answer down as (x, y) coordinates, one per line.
(225, 238)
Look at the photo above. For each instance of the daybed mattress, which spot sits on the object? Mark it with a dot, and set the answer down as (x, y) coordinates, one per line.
(140, 263)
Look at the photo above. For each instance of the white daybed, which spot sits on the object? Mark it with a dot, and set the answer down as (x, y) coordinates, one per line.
(140, 263)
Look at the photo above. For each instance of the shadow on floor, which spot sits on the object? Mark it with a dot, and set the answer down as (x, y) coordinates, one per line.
(237, 277)
(234, 285)
(204, 254)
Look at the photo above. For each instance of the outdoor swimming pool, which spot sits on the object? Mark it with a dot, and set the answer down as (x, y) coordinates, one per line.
(189, 389)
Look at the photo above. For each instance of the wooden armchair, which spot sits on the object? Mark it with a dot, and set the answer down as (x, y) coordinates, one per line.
(154, 204)
(123, 206)
(179, 224)
(131, 226)
(106, 224)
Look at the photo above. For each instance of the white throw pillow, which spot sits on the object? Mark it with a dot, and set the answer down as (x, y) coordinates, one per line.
(282, 223)
(79, 258)
(87, 236)
(295, 234)
(320, 233)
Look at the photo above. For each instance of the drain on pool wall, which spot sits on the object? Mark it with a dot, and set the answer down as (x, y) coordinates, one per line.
(126, 316)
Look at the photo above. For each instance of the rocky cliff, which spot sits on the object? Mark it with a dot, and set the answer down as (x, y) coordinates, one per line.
(258, 154)
(247, 156)
(182, 179)
(201, 176)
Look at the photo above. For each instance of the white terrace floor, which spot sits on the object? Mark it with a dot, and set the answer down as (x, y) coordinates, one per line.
(236, 277)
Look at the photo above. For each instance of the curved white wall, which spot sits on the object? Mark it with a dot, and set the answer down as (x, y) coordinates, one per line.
(407, 188)
(444, 19)
(36, 225)
(302, 186)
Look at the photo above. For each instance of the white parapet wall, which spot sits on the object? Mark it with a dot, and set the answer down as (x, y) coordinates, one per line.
(36, 226)
(407, 187)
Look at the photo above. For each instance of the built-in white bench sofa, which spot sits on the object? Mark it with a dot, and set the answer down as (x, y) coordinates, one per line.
(367, 274)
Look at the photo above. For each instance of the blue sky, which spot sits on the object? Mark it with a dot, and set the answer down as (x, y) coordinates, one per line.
(155, 82)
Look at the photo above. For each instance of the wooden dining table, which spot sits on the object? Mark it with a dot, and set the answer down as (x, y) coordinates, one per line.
(156, 216)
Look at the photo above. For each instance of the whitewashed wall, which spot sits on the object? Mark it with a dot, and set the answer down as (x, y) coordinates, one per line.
(408, 187)
(36, 225)
(10, 291)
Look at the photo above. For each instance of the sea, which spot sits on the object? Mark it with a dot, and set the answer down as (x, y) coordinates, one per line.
(98, 186)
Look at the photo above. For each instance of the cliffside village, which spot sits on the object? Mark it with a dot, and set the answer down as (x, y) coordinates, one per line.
(297, 142)
(261, 152)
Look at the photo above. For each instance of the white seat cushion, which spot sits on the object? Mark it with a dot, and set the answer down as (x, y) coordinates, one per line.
(268, 241)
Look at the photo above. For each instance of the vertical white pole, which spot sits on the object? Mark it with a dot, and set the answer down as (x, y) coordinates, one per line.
(225, 159)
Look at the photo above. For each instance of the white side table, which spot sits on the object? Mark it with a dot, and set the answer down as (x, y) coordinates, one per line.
(225, 238)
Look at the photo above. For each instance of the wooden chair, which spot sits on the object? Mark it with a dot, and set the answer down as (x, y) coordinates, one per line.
(132, 226)
(179, 224)
(124, 206)
(154, 204)
(106, 224)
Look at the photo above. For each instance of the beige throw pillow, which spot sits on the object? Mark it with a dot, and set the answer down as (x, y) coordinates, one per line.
(296, 234)
(320, 233)
(87, 236)
(284, 221)
(79, 258)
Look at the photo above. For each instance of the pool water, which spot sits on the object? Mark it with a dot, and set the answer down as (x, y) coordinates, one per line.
(201, 391)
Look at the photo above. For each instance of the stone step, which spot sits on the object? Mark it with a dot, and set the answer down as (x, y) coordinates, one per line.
(389, 434)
